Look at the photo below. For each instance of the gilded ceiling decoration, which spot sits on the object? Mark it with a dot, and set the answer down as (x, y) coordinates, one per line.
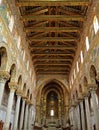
(53, 31)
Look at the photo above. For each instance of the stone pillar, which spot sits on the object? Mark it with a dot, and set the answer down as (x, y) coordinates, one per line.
(95, 105)
(26, 116)
(78, 117)
(12, 86)
(87, 109)
(22, 113)
(15, 126)
(75, 114)
(30, 118)
(71, 118)
(4, 76)
(82, 115)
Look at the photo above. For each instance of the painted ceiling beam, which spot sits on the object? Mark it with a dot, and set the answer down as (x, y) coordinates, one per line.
(37, 12)
(52, 64)
(43, 57)
(51, 29)
(52, 39)
(21, 3)
(52, 47)
(52, 18)
(65, 54)
(51, 73)
(53, 70)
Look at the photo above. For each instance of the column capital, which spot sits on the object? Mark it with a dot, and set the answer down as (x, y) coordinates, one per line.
(72, 104)
(85, 94)
(80, 98)
(24, 96)
(92, 87)
(31, 102)
(13, 86)
(4, 75)
(76, 102)
(19, 92)
(28, 101)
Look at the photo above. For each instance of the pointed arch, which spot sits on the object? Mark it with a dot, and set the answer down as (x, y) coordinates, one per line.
(3, 58)
(13, 73)
(24, 89)
(20, 82)
(93, 74)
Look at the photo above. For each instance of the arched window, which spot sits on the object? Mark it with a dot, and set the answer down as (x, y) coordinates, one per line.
(24, 55)
(74, 73)
(52, 113)
(19, 42)
(77, 67)
(70, 84)
(96, 24)
(11, 24)
(27, 65)
(87, 43)
(81, 56)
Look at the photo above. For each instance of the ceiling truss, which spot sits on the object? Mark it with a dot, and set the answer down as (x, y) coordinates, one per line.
(53, 32)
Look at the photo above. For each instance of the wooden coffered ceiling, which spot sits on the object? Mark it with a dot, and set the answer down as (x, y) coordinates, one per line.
(53, 30)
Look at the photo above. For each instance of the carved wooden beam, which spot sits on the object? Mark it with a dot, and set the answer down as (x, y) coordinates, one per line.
(52, 64)
(37, 12)
(53, 73)
(54, 67)
(51, 59)
(63, 67)
(63, 54)
(51, 29)
(52, 39)
(21, 3)
(52, 18)
(36, 35)
(40, 70)
(37, 24)
(34, 9)
(52, 47)
(65, 61)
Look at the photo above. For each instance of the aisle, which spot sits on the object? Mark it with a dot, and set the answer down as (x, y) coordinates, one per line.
(52, 128)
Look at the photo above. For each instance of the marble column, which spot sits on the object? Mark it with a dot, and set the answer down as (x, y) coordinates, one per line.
(75, 113)
(12, 86)
(87, 109)
(71, 117)
(26, 116)
(15, 126)
(78, 117)
(82, 115)
(22, 113)
(95, 107)
(30, 118)
(4, 76)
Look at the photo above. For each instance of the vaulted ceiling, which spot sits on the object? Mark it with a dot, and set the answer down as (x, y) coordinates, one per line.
(53, 31)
